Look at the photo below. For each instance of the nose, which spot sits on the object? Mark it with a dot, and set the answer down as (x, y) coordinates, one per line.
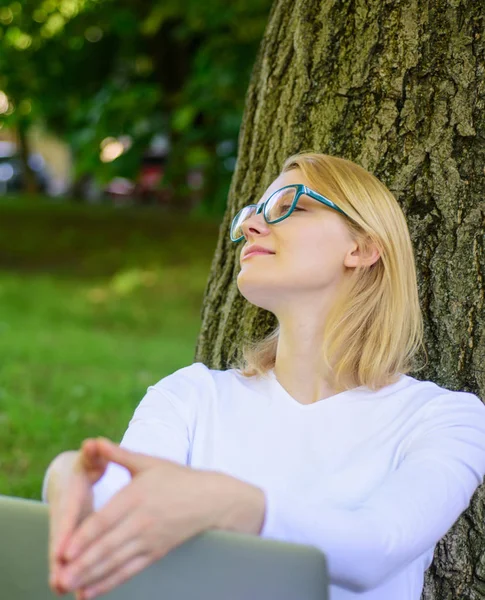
(255, 224)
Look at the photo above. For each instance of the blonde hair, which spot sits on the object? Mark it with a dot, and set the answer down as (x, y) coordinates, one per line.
(375, 325)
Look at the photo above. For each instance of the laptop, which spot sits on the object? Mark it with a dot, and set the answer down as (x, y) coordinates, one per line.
(214, 565)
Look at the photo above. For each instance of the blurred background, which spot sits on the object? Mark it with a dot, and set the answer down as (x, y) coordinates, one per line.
(119, 124)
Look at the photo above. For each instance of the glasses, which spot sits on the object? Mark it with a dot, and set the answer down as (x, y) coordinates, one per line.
(277, 207)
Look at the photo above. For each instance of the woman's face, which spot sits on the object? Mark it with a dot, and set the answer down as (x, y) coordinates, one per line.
(312, 250)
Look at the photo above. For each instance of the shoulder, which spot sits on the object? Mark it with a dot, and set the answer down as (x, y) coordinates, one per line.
(191, 375)
(198, 374)
(196, 377)
(443, 414)
(432, 397)
(183, 387)
(203, 390)
(455, 407)
(426, 407)
(446, 428)
(193, 384)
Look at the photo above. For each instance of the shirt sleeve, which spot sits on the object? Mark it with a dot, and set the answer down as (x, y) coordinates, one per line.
(161, 426)
(442, 466)
(44, 484)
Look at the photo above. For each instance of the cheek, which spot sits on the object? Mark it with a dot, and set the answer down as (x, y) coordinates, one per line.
(318, 256)
(314, 247)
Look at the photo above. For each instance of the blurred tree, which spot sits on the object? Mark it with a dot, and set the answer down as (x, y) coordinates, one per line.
(397, 87)
(48, 64)
(97, 69)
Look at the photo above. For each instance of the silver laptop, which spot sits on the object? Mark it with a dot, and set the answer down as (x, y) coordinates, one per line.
(215, 565)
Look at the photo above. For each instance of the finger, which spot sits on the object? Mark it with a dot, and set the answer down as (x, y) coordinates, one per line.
(89, 446)
(91, 456)
(53, 535)
(81, 574)
(127, 571)
(56, 575)
(133, 461)
(69, 514)
(101, 558)
(99, 523)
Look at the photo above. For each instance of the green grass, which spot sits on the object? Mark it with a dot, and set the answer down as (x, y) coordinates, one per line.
(95, 305)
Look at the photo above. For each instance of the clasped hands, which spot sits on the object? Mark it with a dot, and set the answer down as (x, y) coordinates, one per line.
(164, 505)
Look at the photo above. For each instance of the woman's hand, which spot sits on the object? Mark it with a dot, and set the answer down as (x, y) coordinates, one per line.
(70, 500)
(164, 505)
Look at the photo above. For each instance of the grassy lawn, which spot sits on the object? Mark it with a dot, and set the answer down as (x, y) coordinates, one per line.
(95, 305)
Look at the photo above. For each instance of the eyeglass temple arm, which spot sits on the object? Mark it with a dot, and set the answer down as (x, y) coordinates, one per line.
(324, 200)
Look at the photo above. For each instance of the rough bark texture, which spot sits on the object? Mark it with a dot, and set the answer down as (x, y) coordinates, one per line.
(398, 87)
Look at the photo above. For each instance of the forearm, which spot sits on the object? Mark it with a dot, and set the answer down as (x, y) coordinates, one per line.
(359, 545)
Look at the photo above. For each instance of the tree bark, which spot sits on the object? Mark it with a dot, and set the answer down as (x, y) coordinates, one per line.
(398, 87)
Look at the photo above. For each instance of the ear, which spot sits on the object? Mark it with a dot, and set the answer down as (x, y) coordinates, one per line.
(356, 256)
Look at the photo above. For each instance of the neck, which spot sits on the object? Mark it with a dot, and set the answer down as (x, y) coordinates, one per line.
(298, 365)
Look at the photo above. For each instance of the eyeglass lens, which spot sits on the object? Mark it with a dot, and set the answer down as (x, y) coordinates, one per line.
(278, 207)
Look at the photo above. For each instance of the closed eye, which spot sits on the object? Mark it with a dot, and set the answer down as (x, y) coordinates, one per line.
(286, 207)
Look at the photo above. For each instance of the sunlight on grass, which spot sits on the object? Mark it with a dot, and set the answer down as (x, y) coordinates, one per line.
(79, 350)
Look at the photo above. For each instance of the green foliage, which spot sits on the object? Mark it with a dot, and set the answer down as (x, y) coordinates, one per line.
(43, 59)
(94, 69)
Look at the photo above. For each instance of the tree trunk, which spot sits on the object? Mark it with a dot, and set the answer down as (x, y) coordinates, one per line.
(399, 88)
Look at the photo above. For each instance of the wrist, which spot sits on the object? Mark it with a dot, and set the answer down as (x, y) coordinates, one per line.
(236, 505)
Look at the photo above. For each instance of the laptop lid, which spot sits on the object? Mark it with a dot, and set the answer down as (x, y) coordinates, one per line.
(215, 565)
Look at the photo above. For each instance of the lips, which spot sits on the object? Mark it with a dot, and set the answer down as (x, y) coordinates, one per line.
(256, 253)
(256, 250)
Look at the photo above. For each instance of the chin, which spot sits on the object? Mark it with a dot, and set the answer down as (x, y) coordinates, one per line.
(261, 294)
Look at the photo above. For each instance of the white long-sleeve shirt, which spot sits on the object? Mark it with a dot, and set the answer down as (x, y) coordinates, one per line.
(372, 479)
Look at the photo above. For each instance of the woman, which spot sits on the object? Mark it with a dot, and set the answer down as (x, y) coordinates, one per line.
(317, 437)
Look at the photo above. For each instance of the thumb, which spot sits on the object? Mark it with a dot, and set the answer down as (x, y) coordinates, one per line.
(135, 462)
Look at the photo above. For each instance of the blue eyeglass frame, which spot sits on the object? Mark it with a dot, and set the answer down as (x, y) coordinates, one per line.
(300, 189)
